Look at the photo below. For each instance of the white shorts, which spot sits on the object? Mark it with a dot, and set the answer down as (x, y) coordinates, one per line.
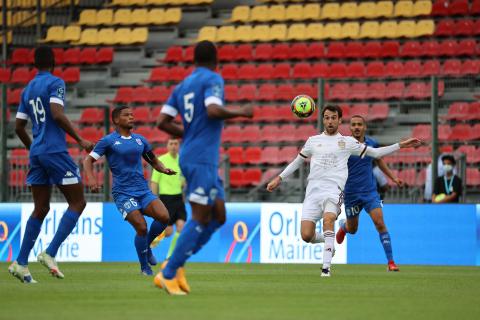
(319, 199)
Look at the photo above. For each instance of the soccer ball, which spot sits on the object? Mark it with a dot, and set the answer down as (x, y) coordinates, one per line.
(303, 106)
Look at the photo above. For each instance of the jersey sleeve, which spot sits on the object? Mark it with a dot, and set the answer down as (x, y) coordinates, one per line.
(214, 91)
(100, 148)
(56, 92)
(146, 145)
(356, 148)
(22, 112)
(307, 149)
(171, 107)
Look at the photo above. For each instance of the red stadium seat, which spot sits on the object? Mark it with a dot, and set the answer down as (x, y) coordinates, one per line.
(91, 134)
(431, 67)
(354, 49)
(390, 49)
(458, 7)
(58, 72)
(376, 90)
(472, 153)
(19, 157)
(308, 89)
(57, 52)
(320, 70)
(445, 28)
(188, 54)
(247, 92)
(346, 115)
(316, 50)
(13, 96)
(465, 28)
(104, 55)
(21, 56)
(447, 48)
(473, 112)
(473, 177)
(124, 95)
(394, 69)
(302, 70)
(174, 54)
(177, 73)
(378, 111)
(230, 72)
(475, 7)
(236, 155)
(237, 178)
(232, 134)
(88, 56)
(416, 90)
(266, 92)
(460, 132)
(344, 129)
(360, 109)
(226, 52)
(91, 116)
(251, 133)
(244, 52)
(5, 74)
(247, 72)
(287, 154)
(280, 52)
(336, 50)
(271, 133)
(412, 68)
(252, 176)
(141, 94)
(159, 94)
(470, 67)
(71, 56)
(408, 176)
(281, 71)
(20, 76)
(270, 155)
(458, 111)
(452, 67)
(440, 8)
(337, 70)
(142, 115)
(285, 92)
(358, 91)
(158, 74)
(355, 70)
(395, 90)
(71, 75)
(264, 71)
(231, 92)
(466, 47)
(287, 133)
(422, 131)
(303, 132)
(17, 178)
(372, 49)
(430, 48)
(411, 49)
(264, 114)
(475, 131)
(298, 51)
(263, 52)
(375, 69)
(339, 91)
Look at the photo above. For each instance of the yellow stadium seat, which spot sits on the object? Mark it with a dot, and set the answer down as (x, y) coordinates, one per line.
(403, 9)
(297, 31)
(156, 2)
(139, 16)
(314, 31)
(105, 17)
(424, 28)
(350, 30)
(156, 16)
(139, 35)
(388, 29)
(124, 3)
(369, 30)
(331, 11)
(173, 16)
(88, 37)
(367, 10)
(106, 36)
(54, 34)
(259, 13)
(276, 13)
(333, 30)
(138, 3)
(226, 34)
(240, 14)
(9, 18)
(422, 8)
(261, 33)
(311, 11)
(72, 33)
(88, 17)
(123, 36)
(122, 17)
(348, 10)
(243, 33)
(278, 32)
(207, 33)
(294, 12)
(384, 9)
(406, 28)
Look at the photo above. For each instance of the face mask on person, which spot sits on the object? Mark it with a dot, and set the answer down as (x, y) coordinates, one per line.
(448, 168)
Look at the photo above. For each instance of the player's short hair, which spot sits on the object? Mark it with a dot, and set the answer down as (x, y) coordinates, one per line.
(449, 157)
(116, 112)
(44, 58)
(172, 137)
(205, 53)
(332, 108)
(359, 116)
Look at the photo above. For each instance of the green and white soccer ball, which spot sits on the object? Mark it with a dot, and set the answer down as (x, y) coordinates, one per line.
(303, 106)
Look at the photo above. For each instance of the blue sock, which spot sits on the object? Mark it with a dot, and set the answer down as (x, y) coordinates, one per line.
(142, 249)
(31, 233)
(156, 229)
(387, 245)
(67, 223)
(186, 242)
(206, 235)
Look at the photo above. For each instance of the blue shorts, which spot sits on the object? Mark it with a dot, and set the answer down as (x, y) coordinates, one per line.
(204, 185)
(53, 169)
(127, 203)
(355, 203)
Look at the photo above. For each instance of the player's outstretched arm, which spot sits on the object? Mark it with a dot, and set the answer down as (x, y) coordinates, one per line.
(291, 168)
(20, 125)
(91, 181)
(386, 170)
(165, 123)
(218, 112)
(383, 151)
(157, 164)
(59, 116)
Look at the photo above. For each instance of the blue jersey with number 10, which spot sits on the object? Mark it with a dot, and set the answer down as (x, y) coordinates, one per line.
(44, 89)
(202, 135)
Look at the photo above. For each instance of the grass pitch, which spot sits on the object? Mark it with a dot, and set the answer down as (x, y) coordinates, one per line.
(239, 291)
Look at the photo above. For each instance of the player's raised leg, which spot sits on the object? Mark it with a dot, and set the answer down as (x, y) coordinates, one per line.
(159, 213)
(377, 217)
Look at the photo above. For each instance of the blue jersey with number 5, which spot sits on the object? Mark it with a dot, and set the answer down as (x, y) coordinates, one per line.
(202, 135)
(44, 89)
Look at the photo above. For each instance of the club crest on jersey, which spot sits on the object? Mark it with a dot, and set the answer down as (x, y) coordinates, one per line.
(341, 144)
(217, 91)
(139, 141)
(61, 92)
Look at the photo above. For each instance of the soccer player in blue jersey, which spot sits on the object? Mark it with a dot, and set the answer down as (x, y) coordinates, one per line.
(199, 99)
(361, 191)
(124, 151)
(43, 102)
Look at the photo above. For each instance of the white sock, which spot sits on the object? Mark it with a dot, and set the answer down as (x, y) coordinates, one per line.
(318, 238)
(328, 248)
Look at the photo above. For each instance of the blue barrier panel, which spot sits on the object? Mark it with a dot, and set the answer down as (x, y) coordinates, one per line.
(421, 234)
(10, 230)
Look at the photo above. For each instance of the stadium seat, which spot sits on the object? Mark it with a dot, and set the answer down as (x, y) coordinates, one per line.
(458, 111)
(19, 157)
(466, 28)
(372, 49)
(91, 116)
(104, 17)
(281, 71)
(13, 96)
(431, 67)
(226, 34)
(20, 76)
(174, 54)
(227, 52)
(475, 7)
(447, 48)
(358, 91)
(370, 30)
(337, 70)
(422, 8)
(336, 50)
(88, 17)
(412, 68)
(244, 52)
(139, 17)
(247, 92)
(157, 17)
(316, 50)
(253, 155)
(452, 67)
(261, 33)
(297, 32)
(91, 134)
(470, 67)
(278, 32)
(302, 71)
(472, 153)
(87, 56)
(383, 9)
(298, 51)
(142, 115)
(240, 14)
(251, 133)
(378, 112)
(280, 51)
(22, 56)
(54, 34)
(356, 49)
(122, 17)
(236, 155)
(339, 91)
(458, 7)
(395, 90)
(252, 176)
(430, 48)
(308, 89)
(287, 154)
(333, 31)
(124, 95)
(208, 33)
(270, 155)
(172, 16)
(473, 177)
(466, 47)
(138, 36)
(367, 9)
(264, 71)
(88, 37)
(71, 75)
(285, 92)
(158, 94)
(72, 56)
(315, 31)
(330, 11)
(424, 28)
(244, 33)
(58, 53)
(375, 69)
(460, 132)
(141, 95)
(348, 10)
(294, 12)
(411, 49)
(388, 29)
(376, 90)
(355, 70)
(311, 11)
(17, 178)
(230, 71)
(276, 13)
(259, 14)
(5, 74)
(445, 28)
(390, 49)
(107, 36)
(350, 30)
(247, 72)
(406, 28)
(231, 93)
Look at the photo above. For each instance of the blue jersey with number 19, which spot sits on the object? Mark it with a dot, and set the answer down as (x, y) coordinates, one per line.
(202, 135)
(360, 173)
(44, 89)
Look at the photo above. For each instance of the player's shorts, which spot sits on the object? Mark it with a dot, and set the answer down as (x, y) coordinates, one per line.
(204, 185)
(127, 203)
(175, 206)
(320, 198)
(53, 169)
(356, 202)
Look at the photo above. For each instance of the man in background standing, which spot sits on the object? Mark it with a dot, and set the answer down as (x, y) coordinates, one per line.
(448, 188)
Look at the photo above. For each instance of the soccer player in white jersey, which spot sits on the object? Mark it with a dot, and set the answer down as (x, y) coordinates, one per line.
(329, 153)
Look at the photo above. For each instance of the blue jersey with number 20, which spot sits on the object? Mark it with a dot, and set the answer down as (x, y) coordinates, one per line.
(202, 135)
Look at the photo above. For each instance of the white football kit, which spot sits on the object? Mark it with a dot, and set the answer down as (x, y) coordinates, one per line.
(329, 171)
